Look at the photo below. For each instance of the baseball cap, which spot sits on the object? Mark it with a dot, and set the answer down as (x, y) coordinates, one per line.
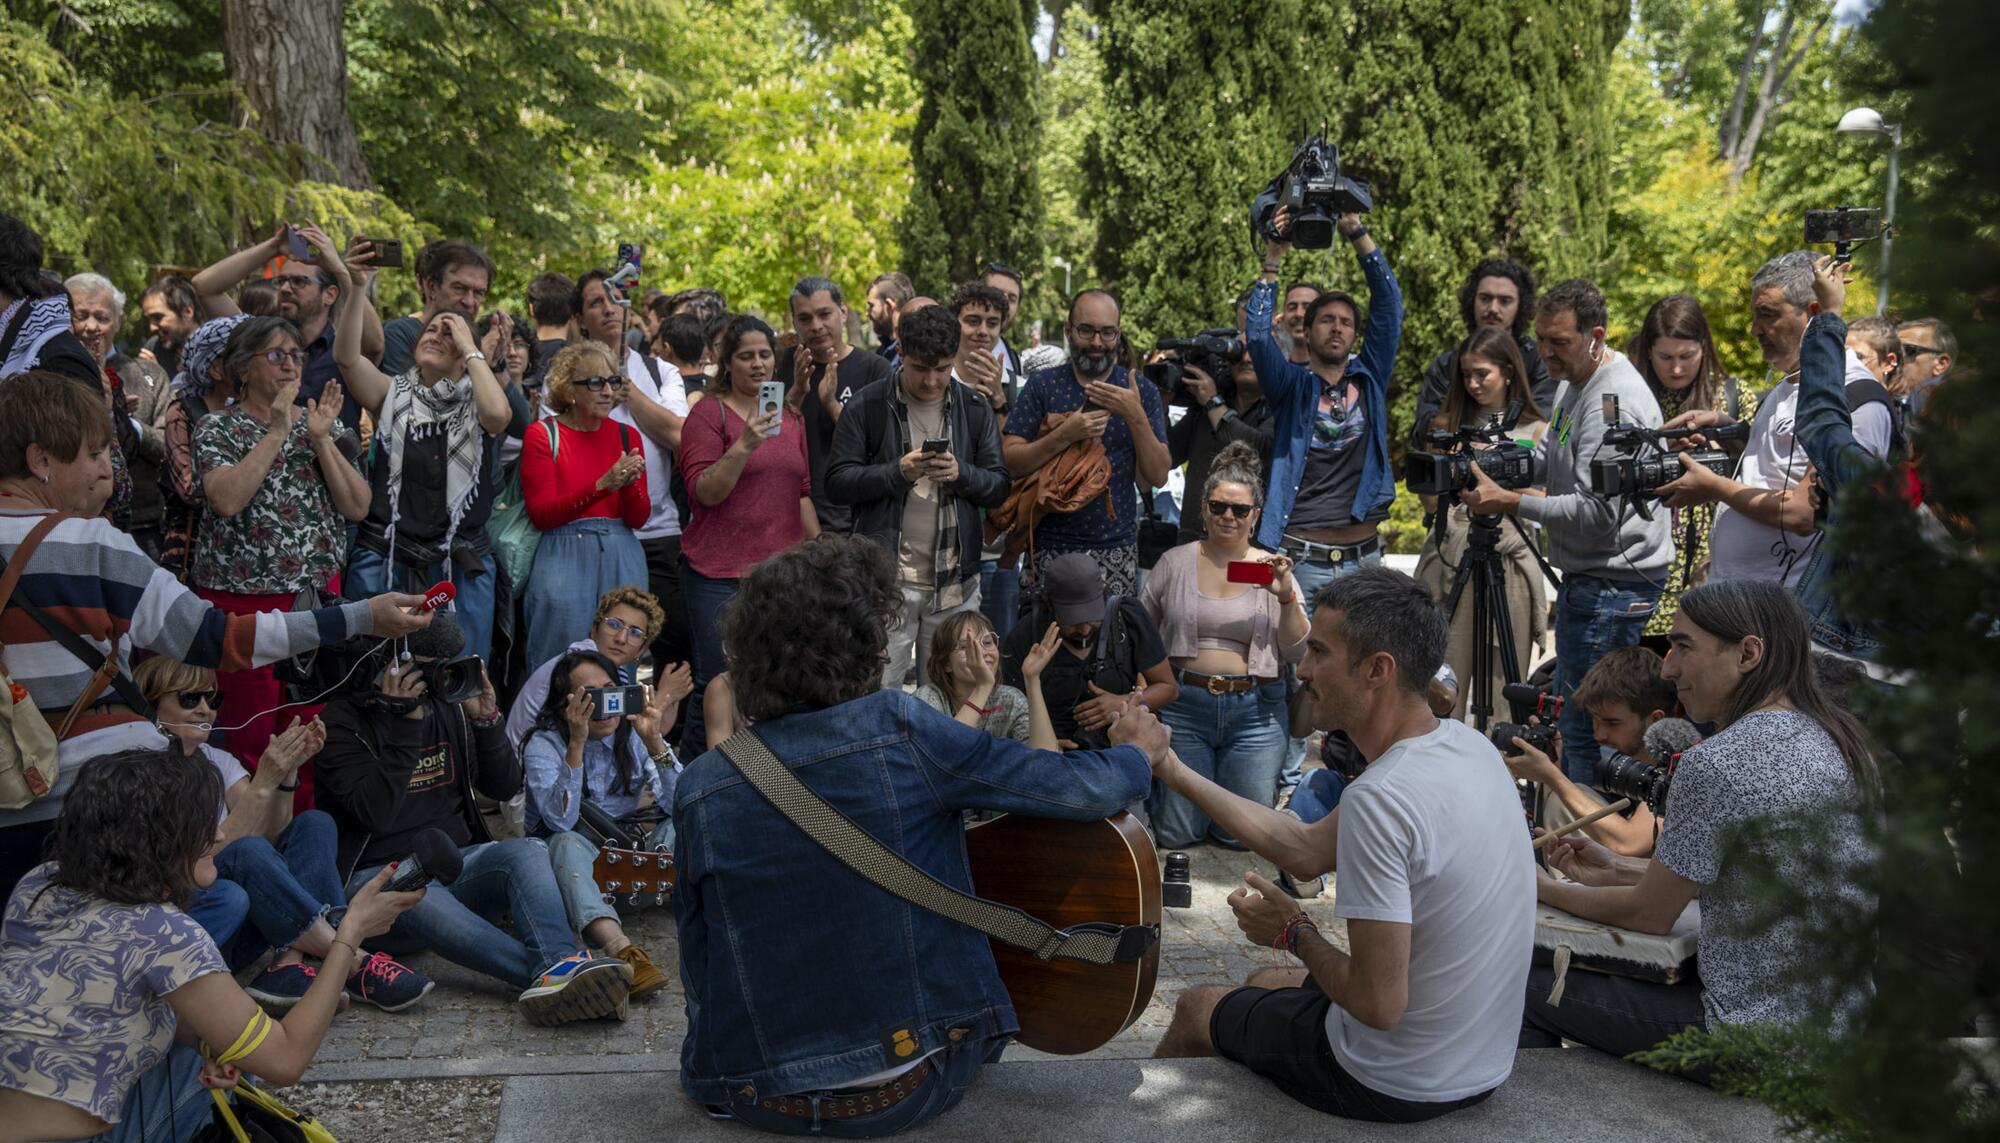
(1075, 589)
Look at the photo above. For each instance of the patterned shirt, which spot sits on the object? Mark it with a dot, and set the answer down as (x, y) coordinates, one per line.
(83, 986)
(290, 535)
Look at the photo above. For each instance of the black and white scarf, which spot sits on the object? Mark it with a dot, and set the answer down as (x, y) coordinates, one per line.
(414, 411)
(27, 326)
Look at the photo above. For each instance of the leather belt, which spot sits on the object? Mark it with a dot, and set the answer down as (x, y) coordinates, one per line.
(1223, 684)
(857, 1103)
(1305, 551)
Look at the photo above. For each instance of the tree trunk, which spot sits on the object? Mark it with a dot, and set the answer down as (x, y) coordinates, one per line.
(1732, 127)
(288, 58)
(1772, 93)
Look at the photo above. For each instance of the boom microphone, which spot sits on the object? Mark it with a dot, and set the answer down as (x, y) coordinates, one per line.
(1670, 738)
(437, 858)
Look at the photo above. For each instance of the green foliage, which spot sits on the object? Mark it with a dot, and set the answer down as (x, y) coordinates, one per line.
(1072, 107)
(976, 144)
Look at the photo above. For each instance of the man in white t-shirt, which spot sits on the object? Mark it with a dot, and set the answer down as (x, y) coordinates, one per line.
(1436, 883)
(1764, 526)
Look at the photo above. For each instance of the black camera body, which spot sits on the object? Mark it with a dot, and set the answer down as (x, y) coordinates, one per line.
(1448, 471)
(1213, 351)
(1642, 463)
(1623, 776)
(1317, 193)
(1542, 738)
(452, 680)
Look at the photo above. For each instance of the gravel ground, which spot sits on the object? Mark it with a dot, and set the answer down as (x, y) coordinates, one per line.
(431, 1110)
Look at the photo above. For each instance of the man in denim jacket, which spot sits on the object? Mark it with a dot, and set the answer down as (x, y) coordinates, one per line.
(803, 980)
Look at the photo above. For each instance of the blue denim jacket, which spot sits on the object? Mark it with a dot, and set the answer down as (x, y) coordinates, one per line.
(1291, 392)
(1826, 428)
(800, 975)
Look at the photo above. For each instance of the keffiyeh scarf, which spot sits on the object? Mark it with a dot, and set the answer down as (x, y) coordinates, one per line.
(203, 346)
(414, 411)
(40, 320)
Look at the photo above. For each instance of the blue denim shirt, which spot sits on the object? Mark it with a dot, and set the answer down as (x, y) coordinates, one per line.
(1826, 428)
(1291, 392)
(797, 971)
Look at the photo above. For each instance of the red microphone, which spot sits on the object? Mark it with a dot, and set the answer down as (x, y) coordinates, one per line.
(441, 593)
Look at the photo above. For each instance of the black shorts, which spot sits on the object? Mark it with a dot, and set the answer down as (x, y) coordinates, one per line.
(1280, 1033)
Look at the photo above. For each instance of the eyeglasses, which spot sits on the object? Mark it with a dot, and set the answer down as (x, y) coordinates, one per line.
(296, 281)
(1225, 508)
(191, 699)
(595, 383)
(622, 629)
(280, 356)
(1096, 332)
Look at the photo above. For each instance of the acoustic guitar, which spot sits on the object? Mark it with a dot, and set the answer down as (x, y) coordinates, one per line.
(1069, 873)
(643, 878)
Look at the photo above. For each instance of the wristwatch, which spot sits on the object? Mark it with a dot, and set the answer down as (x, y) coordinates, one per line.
(1358, 235)
(476, 355)
(1214, 401)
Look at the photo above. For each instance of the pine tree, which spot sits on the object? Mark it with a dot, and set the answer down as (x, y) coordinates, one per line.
(977, 195)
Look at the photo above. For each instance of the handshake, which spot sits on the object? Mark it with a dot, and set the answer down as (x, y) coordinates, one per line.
(1136, 725)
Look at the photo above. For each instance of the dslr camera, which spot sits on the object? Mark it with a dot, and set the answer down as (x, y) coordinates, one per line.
(1542, 738)
(1623, 776)
(1313, 187)
(1448, 471)
(1213, 351)
(1643, 463)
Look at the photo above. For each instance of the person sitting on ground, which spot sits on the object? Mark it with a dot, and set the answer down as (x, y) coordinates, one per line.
(1109, 651)
(1786, 769)
(282, 862)
(620, 765)
(1625, 696)
(1419, 1018)
(105, 982)
(399, 761)
(720, 716)
(963, 672)
(627, 617)
(802, 981)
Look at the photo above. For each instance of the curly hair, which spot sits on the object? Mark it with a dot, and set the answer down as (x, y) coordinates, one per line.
(638, 599)
(931, 334)
(811, 625)
(554, 714)
(134, 826)
(584, 358)
(1524, 285)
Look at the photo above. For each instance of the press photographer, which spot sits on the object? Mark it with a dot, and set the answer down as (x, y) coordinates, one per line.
(1211, 377)
(1613, 562)
(1787, 769)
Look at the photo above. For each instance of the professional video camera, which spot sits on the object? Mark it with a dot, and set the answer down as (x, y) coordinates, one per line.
(1510, 463)
(1312, 185)
(354, 667)
(1542, 738)
(1644, 463)
(1623, 776)
(1213, 351)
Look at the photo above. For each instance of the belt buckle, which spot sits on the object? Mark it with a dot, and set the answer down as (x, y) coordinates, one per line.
(1217, 685)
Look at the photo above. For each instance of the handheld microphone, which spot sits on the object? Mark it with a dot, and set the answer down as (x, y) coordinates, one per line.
(1669, 738)
(440, 593)
(436, 859)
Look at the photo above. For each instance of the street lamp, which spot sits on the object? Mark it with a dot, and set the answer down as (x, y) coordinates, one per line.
(1058, 260)
(1868, 121)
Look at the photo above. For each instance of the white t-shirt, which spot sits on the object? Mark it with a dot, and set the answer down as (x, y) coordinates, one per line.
(533, 693)
(671, 392)
(232, 772)
(1431, 835)
(1773, 458)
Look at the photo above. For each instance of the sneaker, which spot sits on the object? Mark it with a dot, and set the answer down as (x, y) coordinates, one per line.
(387, 985)
(280, 986)
(1301, 890)
(646, 979)
(580, 987)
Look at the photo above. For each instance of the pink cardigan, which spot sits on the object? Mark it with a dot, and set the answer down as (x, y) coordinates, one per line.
(1171, 595)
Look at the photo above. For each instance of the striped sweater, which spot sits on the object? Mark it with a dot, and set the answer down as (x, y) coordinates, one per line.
(91, 577)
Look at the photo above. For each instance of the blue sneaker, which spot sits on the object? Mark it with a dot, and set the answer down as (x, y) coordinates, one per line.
(280, 986)
(387, 985)
(580, 987)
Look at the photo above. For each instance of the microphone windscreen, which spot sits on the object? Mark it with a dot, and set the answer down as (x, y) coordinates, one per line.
(1669, 737)
(439, 855)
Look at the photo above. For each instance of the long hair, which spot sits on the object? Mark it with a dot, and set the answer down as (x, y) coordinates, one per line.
(1500, 348)
(811, 625)
(554, 714)
(937, 667)
(134, 825)
(1524, 284)
(1680, 317)
(740, 327)
(1734, 609)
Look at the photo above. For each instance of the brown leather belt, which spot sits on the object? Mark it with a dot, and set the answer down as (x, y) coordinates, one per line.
(1223, 684)
(1313, 551)
(857, 1103)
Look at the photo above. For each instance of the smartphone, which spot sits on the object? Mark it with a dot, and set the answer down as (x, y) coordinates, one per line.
(388, 252)
(936, 444)
(1250, 571)
(771, 399)
(1843, 225)
(629, 254)
(296, 246)
(616, 702)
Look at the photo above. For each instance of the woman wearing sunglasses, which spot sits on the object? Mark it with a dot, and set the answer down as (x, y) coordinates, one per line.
(583, 476)
(1228, 636)
(280, 865)
(279, 485)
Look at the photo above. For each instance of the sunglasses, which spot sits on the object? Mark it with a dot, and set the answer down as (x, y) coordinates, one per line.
(1225, 508)
(191, 699)
(280, 356)
(595, 383)
(621, 628)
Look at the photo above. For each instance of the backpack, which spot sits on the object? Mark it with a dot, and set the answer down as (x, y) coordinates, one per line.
(513, 535)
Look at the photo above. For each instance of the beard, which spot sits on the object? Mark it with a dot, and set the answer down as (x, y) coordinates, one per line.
(1093, 362)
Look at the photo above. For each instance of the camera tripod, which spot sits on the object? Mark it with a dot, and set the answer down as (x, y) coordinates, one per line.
(1483, 567)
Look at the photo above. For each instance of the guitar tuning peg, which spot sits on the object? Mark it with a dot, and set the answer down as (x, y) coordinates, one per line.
(609, 899)
(613, 886)
(612, 857)
(659, 899)
(639, 860)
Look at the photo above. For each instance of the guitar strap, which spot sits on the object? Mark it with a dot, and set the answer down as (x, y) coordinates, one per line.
(833, 831)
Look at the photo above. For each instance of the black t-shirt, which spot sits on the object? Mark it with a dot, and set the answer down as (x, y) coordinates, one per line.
(546, 349)
(424, 517)
(434, 797)
(854, 372)
(1130, 646)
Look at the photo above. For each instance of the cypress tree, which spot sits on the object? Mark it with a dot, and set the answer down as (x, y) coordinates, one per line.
(977, 194)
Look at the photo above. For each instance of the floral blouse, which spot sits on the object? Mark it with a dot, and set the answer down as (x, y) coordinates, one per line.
(290, 536)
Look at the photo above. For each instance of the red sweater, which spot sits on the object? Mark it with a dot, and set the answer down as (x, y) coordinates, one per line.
(563, 488)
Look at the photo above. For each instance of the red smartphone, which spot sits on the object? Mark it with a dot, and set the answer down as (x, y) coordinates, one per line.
(1250, 571)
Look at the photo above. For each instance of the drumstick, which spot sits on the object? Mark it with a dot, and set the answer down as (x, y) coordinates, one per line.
(1579, 823)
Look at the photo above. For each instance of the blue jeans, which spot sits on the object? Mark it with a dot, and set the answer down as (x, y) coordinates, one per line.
(290, 884)
(220, 909)
(167, 1105)
(1312, 576)
(574, 860)
(1000, 595)
(706, 598)
(1318, 795)
(368, 574)
(575, 565)
(454, 921)
(1236, 741)
(957, 1066)
(1593, 617)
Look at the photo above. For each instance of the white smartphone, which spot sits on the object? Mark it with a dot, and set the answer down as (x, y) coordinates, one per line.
(771, 399)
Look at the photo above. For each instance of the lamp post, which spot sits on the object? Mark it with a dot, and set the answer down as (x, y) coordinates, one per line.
(1868, 121)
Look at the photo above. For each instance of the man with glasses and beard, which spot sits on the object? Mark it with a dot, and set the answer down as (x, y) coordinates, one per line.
(1091, 397)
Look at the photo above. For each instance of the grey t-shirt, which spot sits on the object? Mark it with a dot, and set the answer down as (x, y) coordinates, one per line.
(1334, 458)
(1781, 770)
(1009, 721)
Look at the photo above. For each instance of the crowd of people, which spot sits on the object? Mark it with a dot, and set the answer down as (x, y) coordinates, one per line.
(914, 572)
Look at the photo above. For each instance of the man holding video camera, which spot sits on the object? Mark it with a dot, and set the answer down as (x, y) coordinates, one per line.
(1613, 559)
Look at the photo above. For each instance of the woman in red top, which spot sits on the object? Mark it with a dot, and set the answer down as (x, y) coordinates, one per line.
(583, 477)
(749, 490)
